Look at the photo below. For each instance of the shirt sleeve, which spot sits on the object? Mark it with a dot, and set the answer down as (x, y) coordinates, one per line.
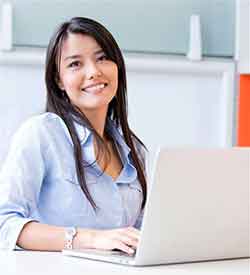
(21, 177)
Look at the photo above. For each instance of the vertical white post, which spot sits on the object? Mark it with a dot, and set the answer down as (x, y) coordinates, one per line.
(227, 109)
(242, 46)
(195, 41)
(6, 26)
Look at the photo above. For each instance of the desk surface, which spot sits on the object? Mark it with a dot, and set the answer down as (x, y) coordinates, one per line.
(27, 263)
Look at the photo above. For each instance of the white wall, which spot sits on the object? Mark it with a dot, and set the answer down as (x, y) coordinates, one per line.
(176, 110)
(22, 95)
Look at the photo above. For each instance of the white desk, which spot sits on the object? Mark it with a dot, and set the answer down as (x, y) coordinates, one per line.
(36, 263)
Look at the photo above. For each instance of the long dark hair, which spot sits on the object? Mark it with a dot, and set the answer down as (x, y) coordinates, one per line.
(59, 103)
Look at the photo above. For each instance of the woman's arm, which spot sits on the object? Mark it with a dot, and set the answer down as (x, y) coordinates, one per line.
(21, 178)
(37, 236)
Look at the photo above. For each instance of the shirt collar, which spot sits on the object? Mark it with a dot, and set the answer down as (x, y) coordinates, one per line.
(129, 173)
(116, 132)
(84, 135)
(82, 132)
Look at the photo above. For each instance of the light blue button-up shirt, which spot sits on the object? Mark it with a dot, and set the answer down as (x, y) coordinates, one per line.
(38, 182)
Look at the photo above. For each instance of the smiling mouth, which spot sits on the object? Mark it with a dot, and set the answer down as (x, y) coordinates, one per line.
(95, 89)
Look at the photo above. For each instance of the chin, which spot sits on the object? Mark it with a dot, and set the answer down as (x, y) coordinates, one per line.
(94, 107)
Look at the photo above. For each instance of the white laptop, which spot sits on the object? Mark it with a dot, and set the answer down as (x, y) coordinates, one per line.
(197, 209)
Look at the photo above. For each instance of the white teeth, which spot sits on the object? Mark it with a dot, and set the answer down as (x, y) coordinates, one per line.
(94, 88)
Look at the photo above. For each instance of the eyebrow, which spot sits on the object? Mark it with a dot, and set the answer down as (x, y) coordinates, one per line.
(79, 56)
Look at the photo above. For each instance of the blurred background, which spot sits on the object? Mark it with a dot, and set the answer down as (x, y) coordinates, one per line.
(173, 101)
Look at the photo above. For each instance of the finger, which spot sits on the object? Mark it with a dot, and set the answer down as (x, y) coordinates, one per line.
(128, 240)
(123, 247)
(133, 229)
(132, 232)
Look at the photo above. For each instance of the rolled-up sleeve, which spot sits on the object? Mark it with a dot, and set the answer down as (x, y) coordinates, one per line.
(21, 178)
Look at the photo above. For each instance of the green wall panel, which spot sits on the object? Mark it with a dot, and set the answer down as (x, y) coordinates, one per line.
(160, 26)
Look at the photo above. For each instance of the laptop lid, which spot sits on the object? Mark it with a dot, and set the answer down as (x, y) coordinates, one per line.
(198, 207)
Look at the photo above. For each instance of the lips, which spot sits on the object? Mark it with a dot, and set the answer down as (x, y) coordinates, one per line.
(94, 88)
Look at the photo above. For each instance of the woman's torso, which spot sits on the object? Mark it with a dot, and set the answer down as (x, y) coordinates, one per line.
(61, 200)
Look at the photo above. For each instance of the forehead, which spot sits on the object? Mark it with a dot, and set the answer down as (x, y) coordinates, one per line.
(79, 44)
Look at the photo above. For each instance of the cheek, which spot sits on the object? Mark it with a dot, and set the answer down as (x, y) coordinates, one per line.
(114, 76)
(70, 81)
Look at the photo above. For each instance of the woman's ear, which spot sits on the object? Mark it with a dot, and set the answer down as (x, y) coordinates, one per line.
(59, 83)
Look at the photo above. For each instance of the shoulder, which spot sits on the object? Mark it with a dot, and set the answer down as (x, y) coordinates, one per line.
(45, 120)
(37, 123)
(39, 128)
(142, 153)
(140, 148)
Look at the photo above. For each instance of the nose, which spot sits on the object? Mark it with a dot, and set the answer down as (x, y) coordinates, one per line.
(92, 70)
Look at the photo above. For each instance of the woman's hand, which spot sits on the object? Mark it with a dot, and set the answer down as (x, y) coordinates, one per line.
(124, 239)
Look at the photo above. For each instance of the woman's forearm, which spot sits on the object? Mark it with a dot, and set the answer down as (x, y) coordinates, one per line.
(37, 236)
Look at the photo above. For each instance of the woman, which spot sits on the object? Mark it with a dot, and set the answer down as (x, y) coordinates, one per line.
(74, 176)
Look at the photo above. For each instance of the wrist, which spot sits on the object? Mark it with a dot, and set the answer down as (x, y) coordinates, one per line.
(69, 235)
(85, 238)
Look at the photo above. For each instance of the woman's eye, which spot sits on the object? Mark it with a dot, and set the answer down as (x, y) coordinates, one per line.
(74, 64)
(101, 58)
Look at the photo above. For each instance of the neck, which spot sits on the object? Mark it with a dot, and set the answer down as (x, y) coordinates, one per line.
(97, 120)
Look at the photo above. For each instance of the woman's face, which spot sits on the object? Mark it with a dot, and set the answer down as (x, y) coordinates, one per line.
(87, 76)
